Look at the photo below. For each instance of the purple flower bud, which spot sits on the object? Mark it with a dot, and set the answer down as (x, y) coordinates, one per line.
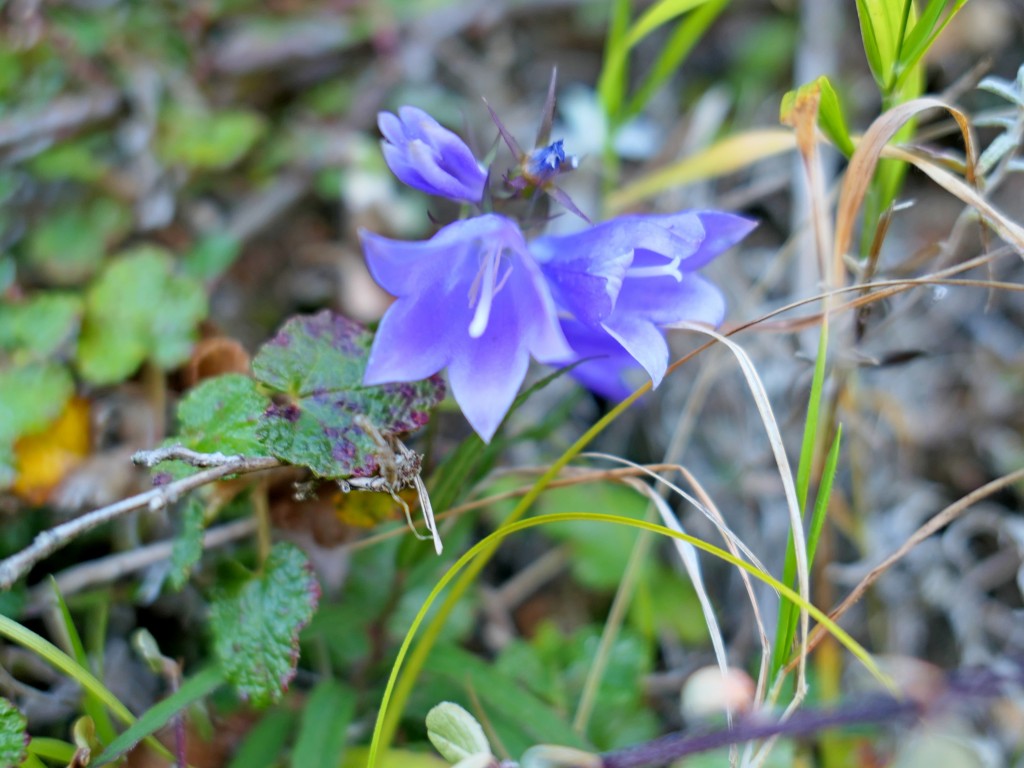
(430, 158)
(544, 163)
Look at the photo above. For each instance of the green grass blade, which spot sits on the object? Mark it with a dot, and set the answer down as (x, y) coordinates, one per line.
(160, 714)
(658, 14)
(611, 83)
(880, 25)
(828, 475)
(56, 658)
(908, 7)
(916, 48)
(326, 715)
(470, 564)
(92, 706)
(871, 46)
(52, 749)
(686, 35)
(785, 630)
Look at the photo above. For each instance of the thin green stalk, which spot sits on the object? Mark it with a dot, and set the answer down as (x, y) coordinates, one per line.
(610, 632)
(786, 627)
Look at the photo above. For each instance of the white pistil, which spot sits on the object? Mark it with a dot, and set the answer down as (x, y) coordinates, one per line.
(671, 269)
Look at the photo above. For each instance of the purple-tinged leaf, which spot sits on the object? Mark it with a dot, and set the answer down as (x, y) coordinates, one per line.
(318, 363)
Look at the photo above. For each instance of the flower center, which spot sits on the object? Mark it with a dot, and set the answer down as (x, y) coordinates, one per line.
(485, 287)
(669, 269)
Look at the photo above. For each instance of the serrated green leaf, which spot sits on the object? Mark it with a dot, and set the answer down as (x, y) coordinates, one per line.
(138, 309)
(318, 362)
(322, 731)
(188, 546)
(39, 327)
(208, 140)
(13, 738)
(69, 245)
(221, 414)
(256, 629)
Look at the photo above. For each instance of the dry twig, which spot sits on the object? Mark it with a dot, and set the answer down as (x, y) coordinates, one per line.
(48, 542)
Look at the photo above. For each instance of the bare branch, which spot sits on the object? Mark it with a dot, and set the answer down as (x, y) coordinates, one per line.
(112, 567)
(181, 453)
(48, 542)
(62, 114)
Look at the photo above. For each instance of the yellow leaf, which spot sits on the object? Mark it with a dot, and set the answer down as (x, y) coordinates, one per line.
(727, 156)
(364, 509)
(42, 460)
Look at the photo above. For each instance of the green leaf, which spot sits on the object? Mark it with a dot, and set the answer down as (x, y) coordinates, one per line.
(685, 36)
(92, 705)
(830, 112)
(41, 326)
(160, 714)
(74, 160)
(208, 140)
(188, 546)
(222, 414)
(211, 256)
(69, 245)
(138, 309)
(923, 35)
(880, 22)
(322, 730)
(598, 552)
(265, 741)
(256, 629)
(13, 737)
(318, 362)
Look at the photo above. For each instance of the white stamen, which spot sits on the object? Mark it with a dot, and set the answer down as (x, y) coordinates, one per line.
(671, 269)
(482, 292)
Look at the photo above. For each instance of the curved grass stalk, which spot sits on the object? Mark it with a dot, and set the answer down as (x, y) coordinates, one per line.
(54, 656)
(397, 693)
(481, 550)
(764, 408)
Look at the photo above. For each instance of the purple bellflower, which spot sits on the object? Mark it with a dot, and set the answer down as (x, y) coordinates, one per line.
(623, 280)
(470, 299)
(429, 157)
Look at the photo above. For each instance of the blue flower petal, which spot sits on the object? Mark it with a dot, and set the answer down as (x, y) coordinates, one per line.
(471, 298)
